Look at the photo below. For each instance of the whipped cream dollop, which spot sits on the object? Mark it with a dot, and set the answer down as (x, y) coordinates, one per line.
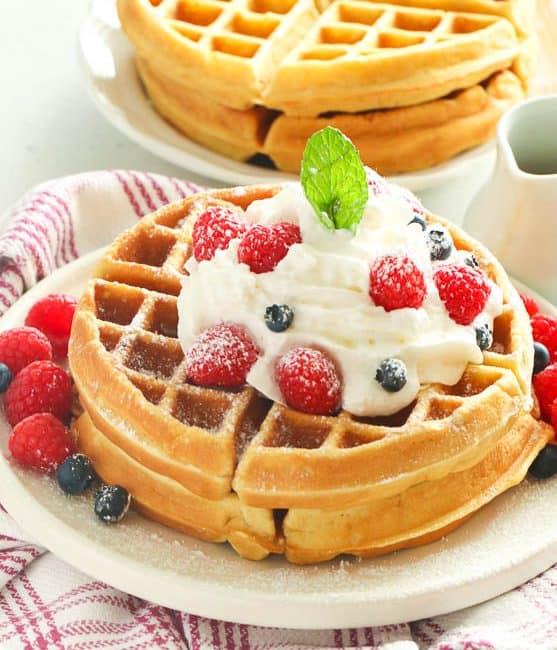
(325, 280)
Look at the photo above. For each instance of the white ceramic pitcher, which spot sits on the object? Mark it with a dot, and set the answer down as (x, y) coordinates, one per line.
(515, 213)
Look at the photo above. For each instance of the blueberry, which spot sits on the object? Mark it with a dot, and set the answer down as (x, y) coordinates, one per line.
(278, 317)
(470, 260)
(439, 242)
(545, 464)
(419, 219)
(111, 503)
(484, 337)
(541, 357)
(392, 375)
(5, 377)
(75, 474)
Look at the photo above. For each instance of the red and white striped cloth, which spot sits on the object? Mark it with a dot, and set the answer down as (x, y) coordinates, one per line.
(46, 604)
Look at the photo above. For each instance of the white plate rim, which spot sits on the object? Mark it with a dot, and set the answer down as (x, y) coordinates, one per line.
(336, 609)
(185, 153)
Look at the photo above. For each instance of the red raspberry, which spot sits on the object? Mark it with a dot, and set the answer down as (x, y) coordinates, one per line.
(41, 441)
(41, 387)
(214, 230)
(544, 330)
(545, 385)
(263, 247)
(221, 356)
(53, 315)
(395, 282)
(531, 305)
(309, 381)
(22, 345)
(463, 289)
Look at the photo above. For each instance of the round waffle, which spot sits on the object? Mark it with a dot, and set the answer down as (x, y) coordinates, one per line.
(231, 465)
(355, 55)
(426, 79)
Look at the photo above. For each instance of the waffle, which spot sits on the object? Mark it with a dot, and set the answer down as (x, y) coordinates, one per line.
(390, 141)
(359, 55)
(232, 465)
(518, 12)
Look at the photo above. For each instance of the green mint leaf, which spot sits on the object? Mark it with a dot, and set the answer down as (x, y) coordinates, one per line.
(334, 179)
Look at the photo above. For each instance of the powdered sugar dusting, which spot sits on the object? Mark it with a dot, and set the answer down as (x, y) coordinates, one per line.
(325, 280)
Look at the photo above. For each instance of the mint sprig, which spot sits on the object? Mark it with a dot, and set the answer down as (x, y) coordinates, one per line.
(334, 179)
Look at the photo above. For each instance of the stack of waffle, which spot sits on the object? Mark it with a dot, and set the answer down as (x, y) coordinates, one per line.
(411, 82)
(234, 466)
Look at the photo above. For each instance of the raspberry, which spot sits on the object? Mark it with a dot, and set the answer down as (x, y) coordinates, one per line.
(309, 381)
(530, 304)
(544, 330)
(263, 247)
(22, 345)
(554, 420)
(41, 387)
(396, 282)
(53, 315)
(221, 356)
(41, 441)
(463, 289)
(214, 230)
(545, 385)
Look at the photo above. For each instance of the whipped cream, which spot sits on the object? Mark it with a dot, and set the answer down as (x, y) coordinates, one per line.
(325, 280)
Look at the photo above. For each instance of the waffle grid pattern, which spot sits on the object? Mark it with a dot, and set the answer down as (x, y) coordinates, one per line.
(234, 466)
(241, 29)
(356, 29)
(139, 327)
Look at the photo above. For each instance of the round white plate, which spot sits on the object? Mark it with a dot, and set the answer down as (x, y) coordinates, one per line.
(109, 71)
(509, 541)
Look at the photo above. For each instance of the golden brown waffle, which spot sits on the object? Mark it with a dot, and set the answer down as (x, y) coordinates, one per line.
(390, 141)
(356, 55)
(363, 55)
(519, 12)
(231, 465)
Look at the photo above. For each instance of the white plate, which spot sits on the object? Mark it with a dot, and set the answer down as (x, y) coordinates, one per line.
(109, 71)
(509, 541)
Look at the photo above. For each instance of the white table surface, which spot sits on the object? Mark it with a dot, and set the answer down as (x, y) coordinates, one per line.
(50, 128)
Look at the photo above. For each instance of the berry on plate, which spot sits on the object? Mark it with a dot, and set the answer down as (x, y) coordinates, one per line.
(541, 357)
(213, 230)
(111, 503)
(221, 356)
(531, 305)
(545, 385)
(439, 242)
(5, 377)
(544, 330)
(40, 441)
(53, 315)
(309, 381)
(41, 387)
(22, 345)
(395, 282)
(545, 463)
(464, 291)
(392, 375)
(263, 247)
(278, 318)
(75, 474)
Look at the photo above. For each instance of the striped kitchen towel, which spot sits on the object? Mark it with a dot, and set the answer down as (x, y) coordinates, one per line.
(45, 603)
